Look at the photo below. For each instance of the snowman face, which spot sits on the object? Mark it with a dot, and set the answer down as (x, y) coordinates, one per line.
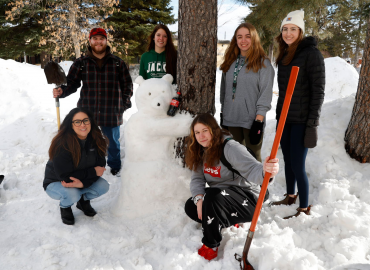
(154, 96)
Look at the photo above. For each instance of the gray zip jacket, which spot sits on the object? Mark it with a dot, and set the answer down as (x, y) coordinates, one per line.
(253, 95)
(219, 176)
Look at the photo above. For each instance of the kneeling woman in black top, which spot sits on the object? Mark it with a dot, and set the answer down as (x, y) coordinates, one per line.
(230, 198)
(77, 162)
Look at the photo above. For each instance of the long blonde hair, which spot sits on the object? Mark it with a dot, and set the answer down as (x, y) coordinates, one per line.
(256, 54)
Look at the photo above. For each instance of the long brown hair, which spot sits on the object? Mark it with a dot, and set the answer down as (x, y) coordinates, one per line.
(67, 137)
(289, 50)
(171, 53)
(256, 54)
(195, 154)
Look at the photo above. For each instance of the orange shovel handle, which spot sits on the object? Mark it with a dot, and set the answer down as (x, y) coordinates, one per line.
(266, 179)
(275, 146)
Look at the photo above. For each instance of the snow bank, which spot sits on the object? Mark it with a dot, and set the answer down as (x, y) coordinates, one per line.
(32, 235)
(341, 79)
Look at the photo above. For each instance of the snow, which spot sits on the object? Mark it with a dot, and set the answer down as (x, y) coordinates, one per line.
(32, 236)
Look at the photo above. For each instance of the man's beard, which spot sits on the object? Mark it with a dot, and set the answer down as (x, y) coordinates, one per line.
(104, 48)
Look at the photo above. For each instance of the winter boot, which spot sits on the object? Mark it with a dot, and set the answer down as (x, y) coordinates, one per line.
(85, 207)
(210, 254)
(286, 201)
(115, 172)
(67, 216)
(299, 211)
(202, 250)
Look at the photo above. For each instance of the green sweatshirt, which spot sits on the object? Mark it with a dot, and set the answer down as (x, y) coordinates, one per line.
(153, 65)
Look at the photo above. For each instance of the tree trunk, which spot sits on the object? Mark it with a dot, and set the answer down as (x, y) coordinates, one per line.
(197, 50)
(74, 28)
(197, 58)
(357, 137)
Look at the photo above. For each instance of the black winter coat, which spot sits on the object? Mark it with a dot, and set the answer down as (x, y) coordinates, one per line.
(308, 94)
(61, 167)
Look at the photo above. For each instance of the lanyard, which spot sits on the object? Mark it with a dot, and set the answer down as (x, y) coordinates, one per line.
(236, 73)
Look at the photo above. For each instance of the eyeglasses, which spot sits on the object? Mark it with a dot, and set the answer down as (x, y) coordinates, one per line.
(78, 123)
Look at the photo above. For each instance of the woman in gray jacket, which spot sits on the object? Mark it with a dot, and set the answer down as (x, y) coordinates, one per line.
(232, 194)
(246, 88)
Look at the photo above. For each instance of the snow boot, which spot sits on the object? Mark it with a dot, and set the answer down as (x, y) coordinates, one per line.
(202, 250)
(286, 201)
(85, 207)
(210, 254)
(115, 172)
(299, 211)
(67, 216)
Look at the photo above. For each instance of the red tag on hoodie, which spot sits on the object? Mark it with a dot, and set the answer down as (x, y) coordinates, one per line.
(214, 171)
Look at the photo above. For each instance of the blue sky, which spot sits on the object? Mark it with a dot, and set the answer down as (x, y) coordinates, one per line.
(229, 17)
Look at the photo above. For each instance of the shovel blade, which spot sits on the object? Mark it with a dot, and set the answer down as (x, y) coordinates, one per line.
(54, 73)
(244, 263)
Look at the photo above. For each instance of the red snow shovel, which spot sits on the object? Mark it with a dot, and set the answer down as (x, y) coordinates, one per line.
(266, 179)
(55, 74)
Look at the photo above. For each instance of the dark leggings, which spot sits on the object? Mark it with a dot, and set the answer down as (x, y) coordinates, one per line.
(295, 157)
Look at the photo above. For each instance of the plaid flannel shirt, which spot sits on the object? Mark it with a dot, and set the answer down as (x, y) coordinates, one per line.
(106, 91)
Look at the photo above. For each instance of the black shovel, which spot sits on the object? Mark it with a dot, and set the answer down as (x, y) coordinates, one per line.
(55, 74)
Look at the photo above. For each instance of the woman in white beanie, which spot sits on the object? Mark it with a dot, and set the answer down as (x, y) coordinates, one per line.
(300, 132)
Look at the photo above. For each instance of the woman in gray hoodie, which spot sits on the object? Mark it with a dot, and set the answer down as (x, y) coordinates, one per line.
(232, 194)
(246, 88)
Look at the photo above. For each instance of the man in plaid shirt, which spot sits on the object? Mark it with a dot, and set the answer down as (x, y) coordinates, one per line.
(106, 90)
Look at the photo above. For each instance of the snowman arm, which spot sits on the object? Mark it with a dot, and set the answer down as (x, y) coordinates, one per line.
(176, 126)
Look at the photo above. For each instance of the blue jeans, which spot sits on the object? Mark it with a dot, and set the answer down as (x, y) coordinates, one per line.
(69, 196)
(114, 151)
(295, 158)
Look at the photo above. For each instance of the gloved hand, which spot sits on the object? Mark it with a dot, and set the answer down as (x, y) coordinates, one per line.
(221, 122)
(310, 137)
(255, 133)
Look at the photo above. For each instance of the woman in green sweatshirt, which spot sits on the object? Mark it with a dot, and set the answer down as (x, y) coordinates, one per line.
(161, 57)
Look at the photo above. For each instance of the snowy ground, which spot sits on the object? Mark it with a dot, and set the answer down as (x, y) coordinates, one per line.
(32, 235)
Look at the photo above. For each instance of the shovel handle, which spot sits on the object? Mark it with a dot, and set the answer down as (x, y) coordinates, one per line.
(275, 146)
(58, 112)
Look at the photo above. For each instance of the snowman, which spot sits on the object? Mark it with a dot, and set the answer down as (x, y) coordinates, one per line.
(152, 181)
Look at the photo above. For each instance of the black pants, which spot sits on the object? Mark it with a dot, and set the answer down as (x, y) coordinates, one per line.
(221, 209)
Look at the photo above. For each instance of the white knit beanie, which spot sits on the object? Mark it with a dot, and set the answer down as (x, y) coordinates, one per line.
(294, 17)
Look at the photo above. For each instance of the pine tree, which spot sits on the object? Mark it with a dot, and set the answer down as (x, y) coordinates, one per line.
(357, 136)
(20, 36)
(359, 15)
(329, 21)
(132, 23)
(196, 63)
(67, 22)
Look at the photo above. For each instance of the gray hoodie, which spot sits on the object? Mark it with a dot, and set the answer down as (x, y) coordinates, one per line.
(219, 176)
(253, 95)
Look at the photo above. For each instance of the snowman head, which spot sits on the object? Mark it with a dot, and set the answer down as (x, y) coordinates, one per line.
(153, 96)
